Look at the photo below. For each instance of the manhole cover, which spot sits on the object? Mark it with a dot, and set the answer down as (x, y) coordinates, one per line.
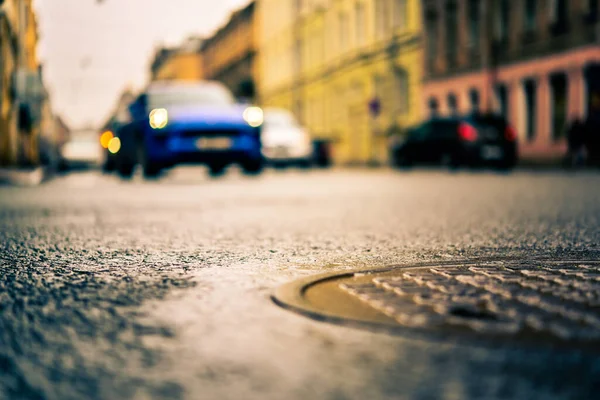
(543, 301)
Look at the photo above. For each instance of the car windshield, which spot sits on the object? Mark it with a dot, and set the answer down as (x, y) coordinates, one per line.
(280, 118)
(193, 95)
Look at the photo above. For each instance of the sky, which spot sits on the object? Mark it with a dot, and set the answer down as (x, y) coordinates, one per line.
(91, 52)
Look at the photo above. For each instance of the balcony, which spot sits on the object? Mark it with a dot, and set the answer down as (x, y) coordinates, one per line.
(563, 38)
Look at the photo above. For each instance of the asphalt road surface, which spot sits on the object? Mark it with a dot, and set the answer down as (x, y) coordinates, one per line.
(112, 289)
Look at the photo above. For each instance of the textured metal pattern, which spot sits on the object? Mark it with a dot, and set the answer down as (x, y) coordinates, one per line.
(556, 300)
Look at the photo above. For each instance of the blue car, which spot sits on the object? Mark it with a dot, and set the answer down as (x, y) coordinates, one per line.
(180, 122)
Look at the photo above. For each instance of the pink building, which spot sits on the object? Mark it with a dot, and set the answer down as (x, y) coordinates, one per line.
(535, 61)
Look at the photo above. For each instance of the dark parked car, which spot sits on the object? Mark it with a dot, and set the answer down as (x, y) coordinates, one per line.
(475, 141)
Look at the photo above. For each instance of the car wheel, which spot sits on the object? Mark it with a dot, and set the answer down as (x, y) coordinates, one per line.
(252, 167)
(216, 170)
(125, 169)
(402, 162)
(305, 164)
(108, 166)
(150, 169)
(507, 164)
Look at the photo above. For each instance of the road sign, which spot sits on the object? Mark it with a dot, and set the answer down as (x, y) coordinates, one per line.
(375, 107)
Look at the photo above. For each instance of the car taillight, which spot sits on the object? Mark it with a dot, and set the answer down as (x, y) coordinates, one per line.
(510, 133)
(467, 132)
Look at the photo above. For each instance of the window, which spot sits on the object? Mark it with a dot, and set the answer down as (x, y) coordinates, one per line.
(320, 39)
(559, 12)
(558, 87)
(433, 107)
(502, 20)
(382, 18)
(359, 20)
(452, 104)
(400, 14)
(502, 95)
(280, 118)
(379, 86)
(530, 108)
(432, 40)
(314, 49)
(474, 22)
(298, 55)
(592, 89)
(343, 31)
(474, 99)
(199, 94)
(451, 33)
(529, 19)
(402, 92)
(306, 52)
(299, 111)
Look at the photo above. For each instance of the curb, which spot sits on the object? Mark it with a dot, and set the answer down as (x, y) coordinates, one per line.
(22, 177)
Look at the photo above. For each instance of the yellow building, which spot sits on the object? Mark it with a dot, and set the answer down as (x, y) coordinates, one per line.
(230, 53)
(349, 69)
(184, 62)
(9, 50)
(276, 61)
(20, 83)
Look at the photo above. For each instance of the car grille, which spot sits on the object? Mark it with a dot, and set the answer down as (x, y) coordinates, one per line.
(209, 132)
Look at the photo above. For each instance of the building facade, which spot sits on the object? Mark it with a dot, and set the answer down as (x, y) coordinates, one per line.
(22, 94)
(9, 52)
(349, 69)
(535, 61)
(278, 61)
(230, 54)
(184, 62)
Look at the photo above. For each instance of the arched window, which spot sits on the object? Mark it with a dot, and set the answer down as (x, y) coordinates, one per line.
(433, 106)
(559, 96)
(530, 91)
(502, 97)
(474, 99)
(452, 104)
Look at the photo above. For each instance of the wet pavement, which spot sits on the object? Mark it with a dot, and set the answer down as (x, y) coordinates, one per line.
(162, 289)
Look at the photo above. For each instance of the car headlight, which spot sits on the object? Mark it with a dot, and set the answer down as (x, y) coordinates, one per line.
(254, 116)
(114, 145)
(105, 139)
(159, 118)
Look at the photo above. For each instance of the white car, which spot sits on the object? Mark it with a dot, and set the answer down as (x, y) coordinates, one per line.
(284, 140)
(81, 152)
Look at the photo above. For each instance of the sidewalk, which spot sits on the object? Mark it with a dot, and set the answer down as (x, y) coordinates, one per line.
(22, 176)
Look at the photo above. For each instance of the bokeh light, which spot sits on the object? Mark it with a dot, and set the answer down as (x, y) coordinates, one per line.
(105, 139)
(114, 145)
